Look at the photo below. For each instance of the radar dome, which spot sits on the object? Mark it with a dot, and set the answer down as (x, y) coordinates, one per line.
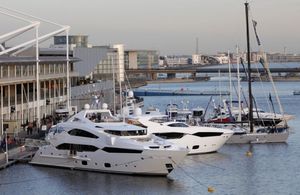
(137, 111)
(86, 106)
(104, 106)
(130, 94)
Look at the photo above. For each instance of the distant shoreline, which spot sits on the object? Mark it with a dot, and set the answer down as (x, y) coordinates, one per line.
(179, 80)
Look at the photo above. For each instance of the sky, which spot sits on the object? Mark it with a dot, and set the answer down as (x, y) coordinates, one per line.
(170, 26)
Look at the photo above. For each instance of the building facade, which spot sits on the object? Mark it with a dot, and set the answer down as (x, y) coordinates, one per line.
(100, 62)
(18, 87)
(141, 59)
(74, 40)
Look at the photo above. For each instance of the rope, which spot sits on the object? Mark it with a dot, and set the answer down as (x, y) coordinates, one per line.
(210, 165)
(186, 173)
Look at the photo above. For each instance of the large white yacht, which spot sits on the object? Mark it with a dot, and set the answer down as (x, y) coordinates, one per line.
(198, 139)
(93, 140)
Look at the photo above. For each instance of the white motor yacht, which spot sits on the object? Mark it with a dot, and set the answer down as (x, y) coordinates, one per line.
(93, 140)
(198, 139)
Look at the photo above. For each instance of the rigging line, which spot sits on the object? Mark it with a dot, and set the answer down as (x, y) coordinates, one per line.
(126, 76)
(186, 173)
(261, 49)
(270, 78)
(254, 101)
(262, 87)
(207, 164)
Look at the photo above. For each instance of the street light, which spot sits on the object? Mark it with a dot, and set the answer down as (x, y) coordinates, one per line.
(6, 146)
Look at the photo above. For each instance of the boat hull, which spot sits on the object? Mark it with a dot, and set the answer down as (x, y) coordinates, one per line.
(202, 145)
(149, 162)
(258, 138)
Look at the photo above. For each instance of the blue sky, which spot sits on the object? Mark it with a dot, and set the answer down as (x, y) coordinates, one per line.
(171, 26)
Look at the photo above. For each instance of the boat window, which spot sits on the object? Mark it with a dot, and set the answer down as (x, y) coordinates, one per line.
(126, 133)
(177, 125)
(173, 114)
(77, 147)
(52, 129)
(154, 147)
(56, 129)
(120, 150)
(76, 119)
(172, 135)
(82, 133)
(159, 119)
(136, 123)
(208, 134)
(197, 113)
(59, 129)
(98, 117)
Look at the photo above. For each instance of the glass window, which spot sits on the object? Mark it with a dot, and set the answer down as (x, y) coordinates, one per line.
(18, 71)
(77, 147)
(82, 133)
(126, 133)
(178, 125)
(171, 135)
(208, 134)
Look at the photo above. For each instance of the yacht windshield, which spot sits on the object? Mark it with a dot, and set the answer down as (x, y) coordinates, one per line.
(98, 117)
(159, 119)
(177, 125)
(126, 133)
(56, 129)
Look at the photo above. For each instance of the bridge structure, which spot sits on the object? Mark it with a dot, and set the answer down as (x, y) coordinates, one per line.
(171, 72)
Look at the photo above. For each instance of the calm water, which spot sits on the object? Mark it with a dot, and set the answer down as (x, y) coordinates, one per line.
(273, 168)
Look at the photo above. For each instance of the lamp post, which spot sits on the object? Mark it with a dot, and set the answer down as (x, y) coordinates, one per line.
(6, 146)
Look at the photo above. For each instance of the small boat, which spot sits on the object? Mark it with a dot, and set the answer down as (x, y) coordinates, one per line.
(97, 141)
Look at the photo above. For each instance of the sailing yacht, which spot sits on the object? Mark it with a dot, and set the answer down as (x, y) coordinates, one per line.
(277, 131)
(95, 140)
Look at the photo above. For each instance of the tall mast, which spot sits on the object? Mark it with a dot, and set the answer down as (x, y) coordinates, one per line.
(250, 111)
(239, 83)
(230, 81)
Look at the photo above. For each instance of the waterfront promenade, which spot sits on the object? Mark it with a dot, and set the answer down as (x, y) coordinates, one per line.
(17, 149)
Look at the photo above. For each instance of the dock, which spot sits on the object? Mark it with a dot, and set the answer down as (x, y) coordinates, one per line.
(16, 155)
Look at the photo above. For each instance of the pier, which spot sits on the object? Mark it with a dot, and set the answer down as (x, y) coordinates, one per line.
(19, 154)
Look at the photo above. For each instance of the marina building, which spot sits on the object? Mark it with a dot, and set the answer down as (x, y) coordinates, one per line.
(74, 41)
(18, 87)
(100, 62)
(31, 85)
(141, 59)
(177, 60)
(196, 59)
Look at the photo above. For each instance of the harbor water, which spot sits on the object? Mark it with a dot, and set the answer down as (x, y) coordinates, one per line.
(272, 168)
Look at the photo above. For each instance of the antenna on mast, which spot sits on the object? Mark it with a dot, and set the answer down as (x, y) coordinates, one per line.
(197, 45)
